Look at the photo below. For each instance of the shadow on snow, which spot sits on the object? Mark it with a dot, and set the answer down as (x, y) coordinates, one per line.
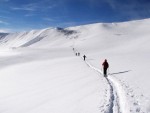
(119, 72)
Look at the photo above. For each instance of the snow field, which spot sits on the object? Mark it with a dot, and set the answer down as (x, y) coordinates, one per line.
(48, 85)
(40, 73)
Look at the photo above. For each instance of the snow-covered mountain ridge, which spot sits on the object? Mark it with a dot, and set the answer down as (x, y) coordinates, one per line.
(40, 73)
(24, 39)
(110, 30)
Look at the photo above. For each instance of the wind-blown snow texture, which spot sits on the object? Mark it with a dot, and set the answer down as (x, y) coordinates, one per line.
(39, 72)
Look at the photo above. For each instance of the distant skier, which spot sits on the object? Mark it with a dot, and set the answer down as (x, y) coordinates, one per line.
(84, 57)
(78, 54)
(105, 67)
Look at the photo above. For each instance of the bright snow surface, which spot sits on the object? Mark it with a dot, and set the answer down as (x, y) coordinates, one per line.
(40, 73)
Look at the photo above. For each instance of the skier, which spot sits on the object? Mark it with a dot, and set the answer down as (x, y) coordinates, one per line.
(105, 67)
(78, 54)
(84, 57)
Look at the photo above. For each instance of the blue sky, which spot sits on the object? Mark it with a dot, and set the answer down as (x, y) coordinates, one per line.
(20, 15)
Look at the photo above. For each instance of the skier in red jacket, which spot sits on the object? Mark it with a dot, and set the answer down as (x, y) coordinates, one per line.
(105, 67)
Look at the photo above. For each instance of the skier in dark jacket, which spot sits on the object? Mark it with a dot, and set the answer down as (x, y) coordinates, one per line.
(105, 67)
(84, 57)
(78, 54)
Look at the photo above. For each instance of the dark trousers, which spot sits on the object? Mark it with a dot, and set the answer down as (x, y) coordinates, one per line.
(84, 58)
(105, 72)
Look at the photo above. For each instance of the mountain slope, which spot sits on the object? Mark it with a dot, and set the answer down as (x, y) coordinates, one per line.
(40, 72)
(45, 37)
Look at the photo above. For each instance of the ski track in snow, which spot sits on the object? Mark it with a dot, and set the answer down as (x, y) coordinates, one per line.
(117, 100)
(116, 94)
